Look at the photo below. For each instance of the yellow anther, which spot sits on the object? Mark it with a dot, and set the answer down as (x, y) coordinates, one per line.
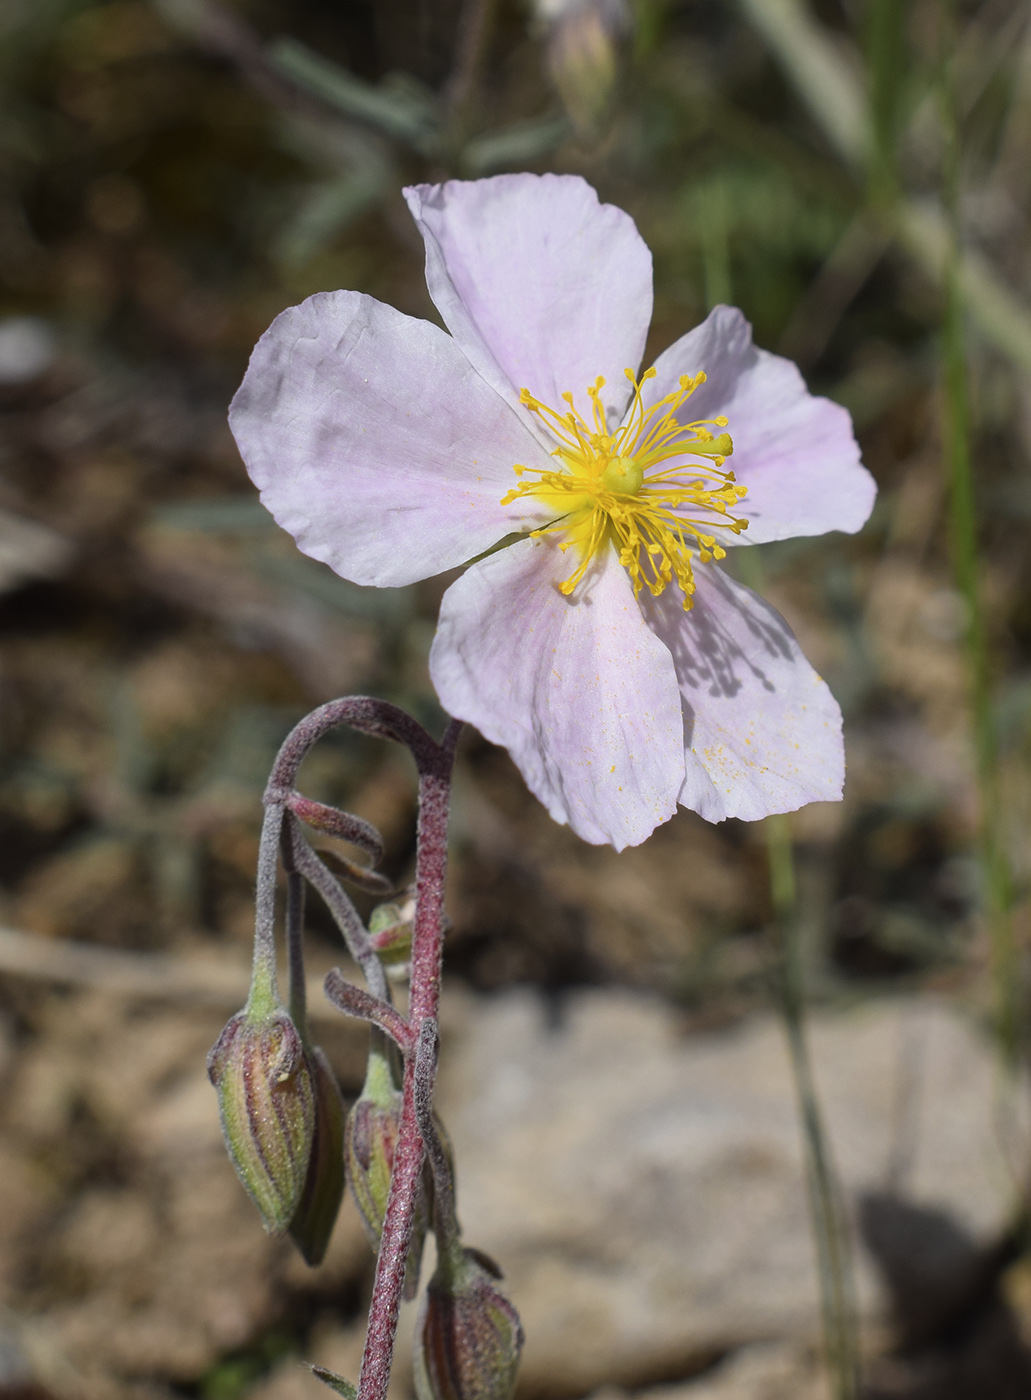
(632, 487)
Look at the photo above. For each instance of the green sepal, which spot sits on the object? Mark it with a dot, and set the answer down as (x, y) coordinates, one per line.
(469, 1338)
(316, 1214)
(338, 1383)
(266, 1101)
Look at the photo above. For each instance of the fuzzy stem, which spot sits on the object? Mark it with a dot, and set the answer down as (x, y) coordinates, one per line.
(264, 994)
(445, 1219)
(345, 915)
(298, 1000)
(354, 1001)
(826, 1208)
(434, 763)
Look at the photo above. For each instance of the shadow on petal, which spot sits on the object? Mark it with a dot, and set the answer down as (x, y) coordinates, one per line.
(706, 643)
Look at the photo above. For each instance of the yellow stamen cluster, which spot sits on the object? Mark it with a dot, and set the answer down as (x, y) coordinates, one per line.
(633, 486)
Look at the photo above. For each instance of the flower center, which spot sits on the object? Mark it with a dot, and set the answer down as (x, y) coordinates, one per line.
(634, 487)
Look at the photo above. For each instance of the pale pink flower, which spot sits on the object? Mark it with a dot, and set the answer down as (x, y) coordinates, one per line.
(393, 451)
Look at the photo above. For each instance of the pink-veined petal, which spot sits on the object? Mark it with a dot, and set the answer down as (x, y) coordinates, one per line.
(762, 730)
(579, 690)
(795, 452)
(376, 444)
(541, 285)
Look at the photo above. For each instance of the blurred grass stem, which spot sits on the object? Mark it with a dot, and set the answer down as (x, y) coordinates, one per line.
(826, 1207)
(885, 60)
(830, 1229)
(829, 84)
(716, 269)
(470, 53)
(839, 280)
(996, 877)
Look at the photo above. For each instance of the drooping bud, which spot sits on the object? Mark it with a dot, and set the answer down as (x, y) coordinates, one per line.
(370, 1138)
(582, 48)
(266, 1100)
(390, 933)
(469, 1337)
(319, 1206)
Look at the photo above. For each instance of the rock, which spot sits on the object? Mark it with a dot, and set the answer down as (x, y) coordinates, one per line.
(163, 1269)
(28, 550)
(644, 1191)
(28, 347)
(764, 1371)
(339, 1349)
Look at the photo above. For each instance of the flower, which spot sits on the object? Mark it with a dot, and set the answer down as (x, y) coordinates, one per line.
(594, 635)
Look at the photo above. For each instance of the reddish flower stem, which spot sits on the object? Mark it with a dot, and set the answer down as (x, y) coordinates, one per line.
(434, 762)
(424, 998)
(354, 1001)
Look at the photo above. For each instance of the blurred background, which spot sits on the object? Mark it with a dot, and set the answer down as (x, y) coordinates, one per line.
(174, 174)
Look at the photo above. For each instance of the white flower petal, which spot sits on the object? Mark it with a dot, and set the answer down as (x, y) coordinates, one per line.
(579, 690)
(376, 444)
(542, 286)
(763, 732)
(795, 453)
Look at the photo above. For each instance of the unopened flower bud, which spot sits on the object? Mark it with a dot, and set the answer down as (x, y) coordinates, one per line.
(319, 1206)
(582, 54)
(266, 1099)
(370, 1138)
(469, 1336)
(390, 934)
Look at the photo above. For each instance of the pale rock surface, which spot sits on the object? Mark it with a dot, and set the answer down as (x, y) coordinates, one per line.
(763, 1371)
(643, 1189)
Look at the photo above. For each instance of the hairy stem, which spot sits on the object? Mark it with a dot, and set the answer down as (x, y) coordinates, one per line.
(353, 1001)
(434, 763)
(445, 1220)
(298, 1000)
(416, 1035)
(264, 982)
(345, 915)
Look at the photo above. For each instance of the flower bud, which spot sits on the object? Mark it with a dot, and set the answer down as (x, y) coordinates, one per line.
(390, 934)
(469, 1336)
(316, 1214)
(582, 55)
(370, 1138)
(266, 1099)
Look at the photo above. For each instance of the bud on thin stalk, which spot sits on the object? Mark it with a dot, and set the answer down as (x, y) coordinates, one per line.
(370, 1138)
(370, 1142)
(469, 1337)
(266, 1100)
(390, 934)
(583, 56)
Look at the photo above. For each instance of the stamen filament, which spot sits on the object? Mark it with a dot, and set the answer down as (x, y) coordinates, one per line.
(627, 491)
